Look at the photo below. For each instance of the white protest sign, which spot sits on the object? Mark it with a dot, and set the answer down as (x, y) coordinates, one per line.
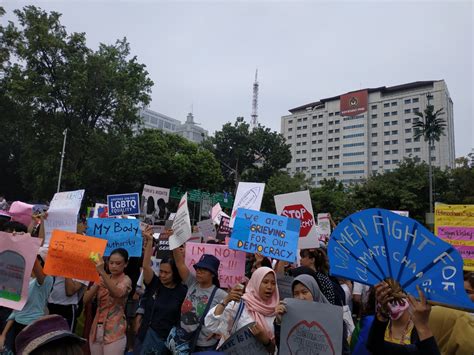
(62, 213)
(154, 202)
(249, 196)
(298, 205)
(181, 224)
(207, 229)
(324, 225)
(215, 212)
(402, 213)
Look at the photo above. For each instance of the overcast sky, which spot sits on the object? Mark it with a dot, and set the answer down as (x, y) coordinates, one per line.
(204, 53)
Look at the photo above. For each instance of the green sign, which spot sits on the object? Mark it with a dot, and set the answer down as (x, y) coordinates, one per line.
(196, 195)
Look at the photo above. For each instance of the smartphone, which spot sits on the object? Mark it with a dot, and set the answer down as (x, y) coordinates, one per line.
(99, 335)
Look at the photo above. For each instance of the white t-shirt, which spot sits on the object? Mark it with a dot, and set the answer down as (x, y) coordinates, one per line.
(362, 290)
(58, 294)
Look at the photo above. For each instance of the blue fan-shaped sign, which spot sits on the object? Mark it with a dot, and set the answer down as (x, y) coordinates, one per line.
(375, 244)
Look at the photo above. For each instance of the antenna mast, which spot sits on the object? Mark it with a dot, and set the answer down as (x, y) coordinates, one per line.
(254, 120)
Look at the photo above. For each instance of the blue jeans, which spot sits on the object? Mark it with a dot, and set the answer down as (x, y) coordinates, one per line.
(153, 344)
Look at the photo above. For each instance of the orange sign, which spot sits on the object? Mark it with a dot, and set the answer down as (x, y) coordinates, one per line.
(70, 254)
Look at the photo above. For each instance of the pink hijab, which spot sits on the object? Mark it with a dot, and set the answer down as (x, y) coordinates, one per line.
(258, 308)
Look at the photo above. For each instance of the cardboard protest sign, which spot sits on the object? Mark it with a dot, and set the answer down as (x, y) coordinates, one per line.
(249, 196)
(265, 233)
(62, 213)
(21, 212)
(324, 226)
(181, 224)
(119, 233)
(17, 257)
(455, 225)
(123, 204)
(154, 203)
(223, 231)
(70, 254)
(101, 210)
(207, 229)
(284, 283)
(375, 244)
(402, 213)
(243, 342)
(232, 267)
(311, 328)
(298, 205)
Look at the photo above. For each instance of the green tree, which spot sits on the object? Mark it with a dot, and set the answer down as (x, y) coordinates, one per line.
(253, 155)
(430, 126)
(333, 197)
(58, 83)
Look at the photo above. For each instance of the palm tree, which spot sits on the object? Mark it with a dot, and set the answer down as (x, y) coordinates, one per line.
(431, 127)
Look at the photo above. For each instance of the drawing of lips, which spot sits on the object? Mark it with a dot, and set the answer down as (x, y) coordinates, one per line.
(309, 338)
(247, 199)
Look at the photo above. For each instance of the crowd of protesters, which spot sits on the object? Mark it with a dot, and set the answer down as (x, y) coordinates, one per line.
(178, 311)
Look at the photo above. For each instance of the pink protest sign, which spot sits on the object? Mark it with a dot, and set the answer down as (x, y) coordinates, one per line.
(456, 233)
(21, 212)
(232, 267)
(17, 256)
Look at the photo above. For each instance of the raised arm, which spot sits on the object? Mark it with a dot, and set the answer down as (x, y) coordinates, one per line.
(148, 249)
(72, 287)
(183, 270)
(115, 290)
(38, 272)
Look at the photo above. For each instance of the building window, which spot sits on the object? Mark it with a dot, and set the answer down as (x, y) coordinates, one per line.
(304, 159)
(354, 135)
(337, 121)
(394, 113)
(290, 129)
(373, 107)
(351, 163)
(395, 131)
(337, 130)
(375, 163)
(387, 133)
(320, 116)
(386, 123)
(374, 115)
(416, 109)
(336, 139)
(331, 131)
(330, 139)
(386, 104)
(433, 158)
(374, 144)
(298, 136)
(407, 130)
(407, 140)
(298, 144)
(313, 134)
(386, 161)
(353, 172)
(415, 100)
(305, 119)
(374, 154)
(320, 149)
(330, 157)
(313, 150)
(337, 113)
(320, 124)
(304, 143)
(349, 145)
(417, 139)
(303, 151)
(314, 125)
(394, 123)
(355, 126)
(298, 128)
(331, 114)
(408, 110)
(386, 152)
(374, 125)
(417, 149)
(330, 148)
(320, 158)
(304, 127)
(299, 119)
(304, 135)
(408, 150)
(298, 151)
(290, 121)
(330, 166)
(289, 137)
(386, 114)
(407, 120)
(395, 161)
(395, 141)
(395, 151)
(352, 154)
(320, 166)
(336, 165)
(394, 103)
(297, 160)
(374, 134)
(386, 143)
(407, 101)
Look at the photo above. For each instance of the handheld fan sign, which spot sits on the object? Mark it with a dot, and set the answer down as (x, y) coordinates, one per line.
(375, 245)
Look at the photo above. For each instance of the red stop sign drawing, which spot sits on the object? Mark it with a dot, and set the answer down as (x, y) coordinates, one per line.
(301, 213)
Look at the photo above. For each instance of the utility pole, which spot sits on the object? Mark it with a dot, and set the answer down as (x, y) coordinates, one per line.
(254, 120)
(62, 159)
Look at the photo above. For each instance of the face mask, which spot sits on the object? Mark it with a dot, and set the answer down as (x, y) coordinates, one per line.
(396, 310)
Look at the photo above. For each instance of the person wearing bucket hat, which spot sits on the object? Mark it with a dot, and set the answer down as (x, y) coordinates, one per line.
(48, 335)
(203, 294)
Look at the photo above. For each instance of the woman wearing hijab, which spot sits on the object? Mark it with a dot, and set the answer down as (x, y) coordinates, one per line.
(257, 305)
(305, 288)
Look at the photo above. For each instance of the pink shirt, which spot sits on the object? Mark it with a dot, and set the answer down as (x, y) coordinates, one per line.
(111, 311)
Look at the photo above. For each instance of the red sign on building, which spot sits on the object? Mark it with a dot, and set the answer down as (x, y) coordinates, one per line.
(354, 103)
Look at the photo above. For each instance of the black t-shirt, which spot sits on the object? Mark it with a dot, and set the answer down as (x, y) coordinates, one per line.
(162, 306)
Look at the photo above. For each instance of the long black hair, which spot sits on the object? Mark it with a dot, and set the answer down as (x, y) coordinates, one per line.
(122, 252)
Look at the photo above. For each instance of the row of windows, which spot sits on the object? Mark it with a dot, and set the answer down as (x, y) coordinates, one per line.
(349, 163)
(353, 172)
(349, 145)
(352, 154)
(354, 135)
(394, 103)
(350, 118)
(360, 125)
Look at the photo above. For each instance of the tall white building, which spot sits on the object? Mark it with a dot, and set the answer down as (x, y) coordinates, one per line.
(191, 130)
(354, 135)
(156, 120)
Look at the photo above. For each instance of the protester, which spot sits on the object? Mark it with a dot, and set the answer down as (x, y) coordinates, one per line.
(305, 288)
(162, 301)
(239, 309)
(38, 292)
(361, 333)
(203, 294)
(49, 335)
(108, 333)
(396, 331)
